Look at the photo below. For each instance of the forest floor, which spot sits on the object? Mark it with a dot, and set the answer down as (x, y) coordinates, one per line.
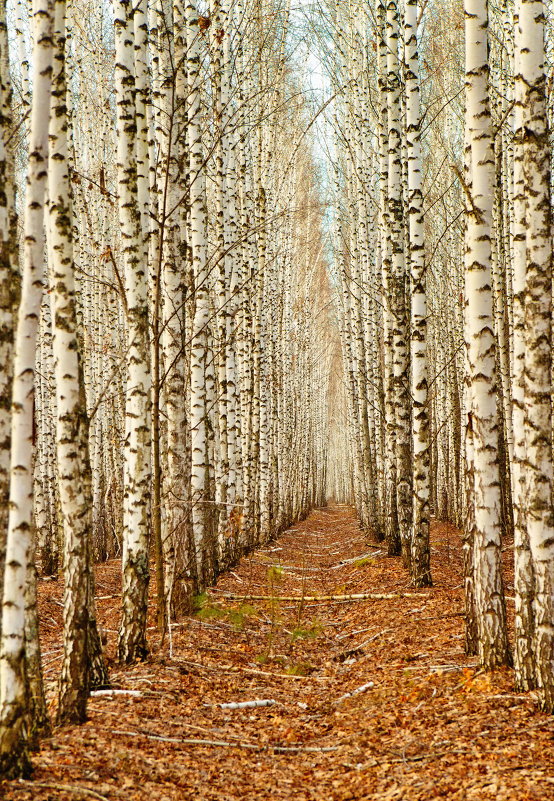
(431, 726)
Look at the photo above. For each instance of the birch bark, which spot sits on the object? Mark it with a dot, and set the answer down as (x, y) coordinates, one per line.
(137, 473)
(489, 592)
(537, 314)
(524, 580)
(197, 202)
(72, 427)
(15, 723)
(420, 562)
(9, 281)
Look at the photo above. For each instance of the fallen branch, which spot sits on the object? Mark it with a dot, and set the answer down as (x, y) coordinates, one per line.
(353, 633)
(373, 638)
(357, 691)
(371, 554)
(65, 787)
(280, 749)
(245, 704)
(284, 567)
(422, 757)
(363, 596)
(349, 654)
(108, 693)
(359, 650)
(433, 668)
(235, 669)
(280, 675)
(277, 749)
(512, 696)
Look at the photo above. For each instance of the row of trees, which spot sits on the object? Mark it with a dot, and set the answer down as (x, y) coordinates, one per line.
(165, 318)
(172, 389)
(443, 273)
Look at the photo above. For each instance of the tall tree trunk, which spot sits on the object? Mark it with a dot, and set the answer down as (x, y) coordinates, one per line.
(489, 592)
(198, 408)
(390, 501)
(399, 316)
(524, 580)
(15, 723)
(535, 142)
(72, 427)
(420, 564)
(9, 281)
(137, 473)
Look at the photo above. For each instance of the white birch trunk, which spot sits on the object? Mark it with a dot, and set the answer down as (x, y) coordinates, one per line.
(489, 593)
(15, 725)
(524, 582)
(420, 563)
(198, 409)
(137, 473)
(72, 426)
(9, 281)
(538, 336)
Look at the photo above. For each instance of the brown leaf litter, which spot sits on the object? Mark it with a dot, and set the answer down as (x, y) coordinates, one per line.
(367, 698)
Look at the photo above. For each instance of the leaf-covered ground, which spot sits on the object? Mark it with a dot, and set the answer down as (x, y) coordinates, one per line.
(431, 726)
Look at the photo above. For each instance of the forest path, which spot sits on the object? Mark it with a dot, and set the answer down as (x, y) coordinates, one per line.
(430, 727)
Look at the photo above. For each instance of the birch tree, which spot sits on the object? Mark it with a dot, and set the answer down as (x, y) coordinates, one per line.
(399, 330)
(198, 418)
(480, 343)
(9, 279)
(524, 579)
(72, 430)
(132, 634)
(15, 722)
(420, 562)
(534, 141)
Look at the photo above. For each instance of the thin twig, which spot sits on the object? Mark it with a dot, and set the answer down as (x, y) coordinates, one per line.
(363, 596)
(239, 669)
(65, 787)
(277, 749)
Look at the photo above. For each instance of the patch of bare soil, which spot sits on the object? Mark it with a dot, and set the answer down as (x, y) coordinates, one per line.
(431, 725)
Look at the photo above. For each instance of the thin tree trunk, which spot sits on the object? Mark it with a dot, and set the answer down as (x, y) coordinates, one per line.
(15, 722)
(420, 563)
(399, 316)
(137, 469)
(9, 282)
(524, 580)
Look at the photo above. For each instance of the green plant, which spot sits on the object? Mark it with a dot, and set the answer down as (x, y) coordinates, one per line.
(237, 616)
(274, 574)
(307, 632)
(205, 609)
(299, 669)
